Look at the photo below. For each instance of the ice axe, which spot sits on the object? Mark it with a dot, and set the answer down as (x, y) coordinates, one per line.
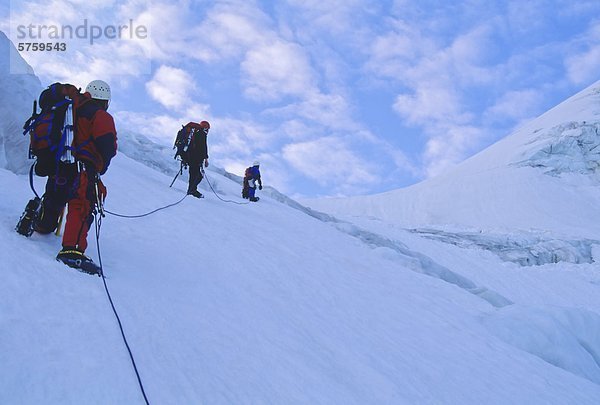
(177, 175)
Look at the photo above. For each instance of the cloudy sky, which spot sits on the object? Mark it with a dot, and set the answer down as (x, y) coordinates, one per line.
(334, 97)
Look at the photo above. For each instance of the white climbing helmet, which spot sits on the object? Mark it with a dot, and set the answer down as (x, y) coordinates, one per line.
(98, 89)
(256, 163)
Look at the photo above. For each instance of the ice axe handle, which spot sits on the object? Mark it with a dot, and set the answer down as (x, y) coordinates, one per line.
(177, 175)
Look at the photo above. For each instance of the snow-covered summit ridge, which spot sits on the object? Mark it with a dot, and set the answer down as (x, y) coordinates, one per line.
(569, 130)
(566, 139)
(541, 178)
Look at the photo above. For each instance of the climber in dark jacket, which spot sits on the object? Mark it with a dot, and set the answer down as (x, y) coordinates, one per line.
(197, 154)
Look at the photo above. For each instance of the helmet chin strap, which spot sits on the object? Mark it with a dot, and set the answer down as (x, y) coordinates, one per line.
(102, 103)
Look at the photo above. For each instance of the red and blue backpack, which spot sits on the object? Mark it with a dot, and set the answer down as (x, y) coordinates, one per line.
(48, 130)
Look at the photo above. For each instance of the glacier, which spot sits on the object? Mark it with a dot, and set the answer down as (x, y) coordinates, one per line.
(480, 285)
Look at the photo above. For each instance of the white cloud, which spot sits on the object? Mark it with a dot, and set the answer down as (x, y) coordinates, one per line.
(514, 105)
(162, 128)
(298, 129)
(277, 70)
(230, 30)
(107, 58)
(430, 104)
(527, 17)
(338, 18)
(219, 33)
(402, 163)
(327, 110)
(329, 161)
(580, 7)
(274, 172)
(171, 87)
(91, 4)
(583, 67)
(240, 138)
(468, 56)
(449, 147)
(435, 73)
(238, 33)
(393, 53)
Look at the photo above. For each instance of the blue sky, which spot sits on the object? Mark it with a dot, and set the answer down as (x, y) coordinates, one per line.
(340, 97)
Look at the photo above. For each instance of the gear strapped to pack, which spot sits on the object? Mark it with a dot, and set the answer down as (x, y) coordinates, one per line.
(182, 144)
(185, 139)
(51, 130)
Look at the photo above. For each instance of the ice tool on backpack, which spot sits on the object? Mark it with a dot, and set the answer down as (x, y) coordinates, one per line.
(51, 130)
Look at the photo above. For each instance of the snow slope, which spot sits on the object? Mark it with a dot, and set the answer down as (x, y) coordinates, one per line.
(257, 303)
(274, 302)
(519, 218)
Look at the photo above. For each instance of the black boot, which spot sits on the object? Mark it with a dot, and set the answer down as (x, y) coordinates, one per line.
(77, 260)
(27, 222)
(47, 221)
(195, 193)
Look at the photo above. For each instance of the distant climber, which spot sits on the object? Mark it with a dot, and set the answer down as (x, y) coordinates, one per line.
(191, 144)
(251, 178)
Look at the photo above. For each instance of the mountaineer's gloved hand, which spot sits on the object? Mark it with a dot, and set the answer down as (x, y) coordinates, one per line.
(101, 190)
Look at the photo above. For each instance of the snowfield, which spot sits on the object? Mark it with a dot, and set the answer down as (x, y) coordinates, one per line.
(237, 303)
(479, 286)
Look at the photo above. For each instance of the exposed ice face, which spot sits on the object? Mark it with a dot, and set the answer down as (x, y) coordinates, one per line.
(525, 249)
(573, 147)
(17, 92)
